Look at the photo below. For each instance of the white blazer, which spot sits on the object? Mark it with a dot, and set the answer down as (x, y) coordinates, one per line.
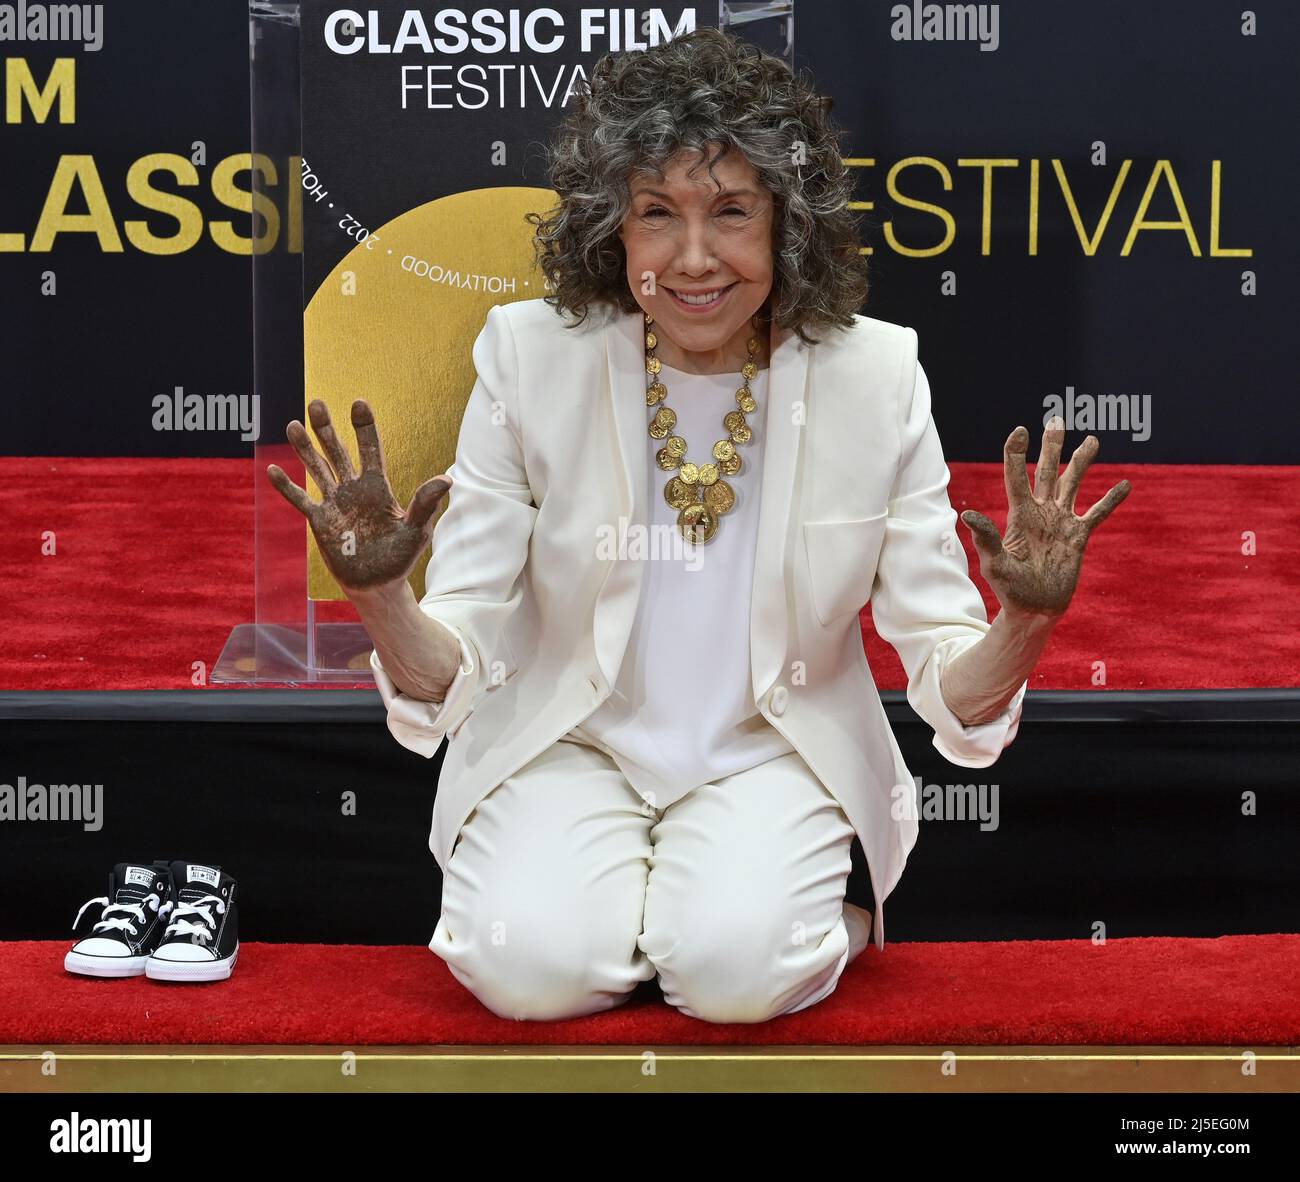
(553, 451)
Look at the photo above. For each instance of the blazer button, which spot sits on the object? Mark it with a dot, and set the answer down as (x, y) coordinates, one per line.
(778, 698)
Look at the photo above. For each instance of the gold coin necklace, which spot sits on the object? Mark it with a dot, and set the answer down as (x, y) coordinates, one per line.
(698, 491)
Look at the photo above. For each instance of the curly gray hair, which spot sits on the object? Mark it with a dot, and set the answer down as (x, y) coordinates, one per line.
(697, 91)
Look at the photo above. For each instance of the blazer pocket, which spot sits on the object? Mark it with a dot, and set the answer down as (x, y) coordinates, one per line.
(842, 563)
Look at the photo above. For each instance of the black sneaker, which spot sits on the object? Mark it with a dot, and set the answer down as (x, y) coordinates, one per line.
(130, 925)
(201, 942)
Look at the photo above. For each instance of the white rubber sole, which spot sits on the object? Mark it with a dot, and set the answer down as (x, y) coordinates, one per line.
(104, 966)
(157, 969)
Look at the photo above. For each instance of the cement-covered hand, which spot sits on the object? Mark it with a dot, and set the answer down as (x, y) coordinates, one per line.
(364, 535)
(370, 545)
(1034, 569)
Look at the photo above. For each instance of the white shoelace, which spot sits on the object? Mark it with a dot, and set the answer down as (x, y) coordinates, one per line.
(180, 926)
(123, 922)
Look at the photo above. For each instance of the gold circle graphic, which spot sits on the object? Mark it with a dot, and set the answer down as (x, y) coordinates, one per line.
(394, 322)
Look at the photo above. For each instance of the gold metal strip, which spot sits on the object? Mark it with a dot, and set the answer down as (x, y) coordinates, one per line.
(663, 1069)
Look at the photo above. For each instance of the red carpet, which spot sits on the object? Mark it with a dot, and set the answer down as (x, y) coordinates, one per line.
(154, 568)
(1236, 990)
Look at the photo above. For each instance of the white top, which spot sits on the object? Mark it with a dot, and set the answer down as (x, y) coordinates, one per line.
(682, 712)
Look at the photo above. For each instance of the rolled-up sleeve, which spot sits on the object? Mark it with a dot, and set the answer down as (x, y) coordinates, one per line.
(967, 746)
(923, 601)
(419, 725)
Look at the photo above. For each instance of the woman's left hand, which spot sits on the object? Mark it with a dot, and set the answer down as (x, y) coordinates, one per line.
(1035, 568)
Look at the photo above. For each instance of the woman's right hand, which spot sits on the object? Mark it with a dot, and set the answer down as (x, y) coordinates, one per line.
(364, 535)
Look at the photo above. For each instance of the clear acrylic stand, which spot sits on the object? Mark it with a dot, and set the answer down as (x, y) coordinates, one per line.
(293, 639)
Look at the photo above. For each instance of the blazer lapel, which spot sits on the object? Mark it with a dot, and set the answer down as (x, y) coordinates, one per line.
(787, 381)
(620, 592)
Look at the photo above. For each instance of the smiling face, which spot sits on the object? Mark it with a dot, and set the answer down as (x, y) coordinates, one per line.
(708, 247)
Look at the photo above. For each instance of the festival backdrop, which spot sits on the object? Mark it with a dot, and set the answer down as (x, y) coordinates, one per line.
(1084, 207)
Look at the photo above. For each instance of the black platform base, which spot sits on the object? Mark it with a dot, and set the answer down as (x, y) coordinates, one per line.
(1169, 814)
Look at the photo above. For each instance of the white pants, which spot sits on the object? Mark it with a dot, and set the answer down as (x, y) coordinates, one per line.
(565, 889)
